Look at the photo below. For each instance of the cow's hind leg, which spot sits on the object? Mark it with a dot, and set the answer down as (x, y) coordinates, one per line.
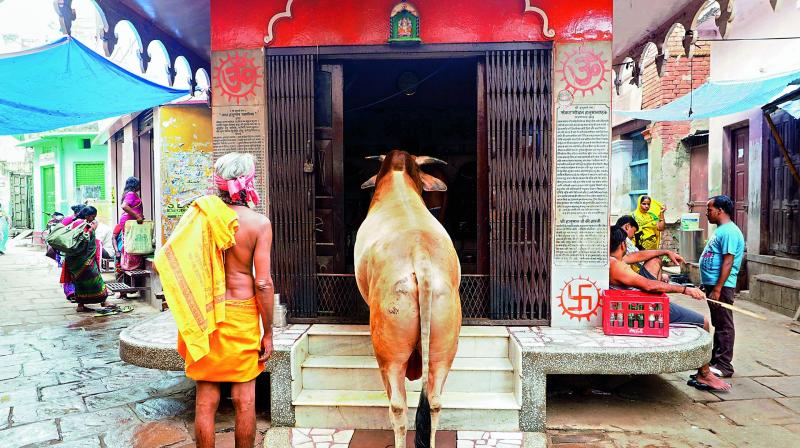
(394, 379)
(437, 377)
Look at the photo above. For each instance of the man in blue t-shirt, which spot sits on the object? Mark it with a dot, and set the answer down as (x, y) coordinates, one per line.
(719, 267)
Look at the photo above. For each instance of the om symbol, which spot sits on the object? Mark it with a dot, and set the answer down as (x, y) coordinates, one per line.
(583, 70)
(237, 76)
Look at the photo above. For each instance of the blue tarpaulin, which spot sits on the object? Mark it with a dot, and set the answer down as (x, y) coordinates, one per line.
(65, 83)
(715, 99)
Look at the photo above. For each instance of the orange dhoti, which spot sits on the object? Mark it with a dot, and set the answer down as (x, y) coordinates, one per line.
(235, 346)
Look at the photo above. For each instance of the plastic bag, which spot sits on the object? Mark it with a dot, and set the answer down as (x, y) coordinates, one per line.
(138, 238)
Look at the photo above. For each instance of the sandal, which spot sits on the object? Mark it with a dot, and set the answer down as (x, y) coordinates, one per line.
(106, 312)
(121, 309)
(702, 386)
(698, 385)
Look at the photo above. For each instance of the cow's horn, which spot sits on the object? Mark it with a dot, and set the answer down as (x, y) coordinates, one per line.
(378, 158)
(425, 160)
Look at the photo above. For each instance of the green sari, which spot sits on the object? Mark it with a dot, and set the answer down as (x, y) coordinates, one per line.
(83, 271)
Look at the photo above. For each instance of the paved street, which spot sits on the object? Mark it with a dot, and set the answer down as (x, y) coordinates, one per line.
(62, 382)
(661, 411)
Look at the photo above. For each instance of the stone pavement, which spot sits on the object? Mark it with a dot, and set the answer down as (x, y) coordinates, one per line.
(62, 382)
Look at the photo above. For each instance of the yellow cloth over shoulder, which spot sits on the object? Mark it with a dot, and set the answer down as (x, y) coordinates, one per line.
(192, 271)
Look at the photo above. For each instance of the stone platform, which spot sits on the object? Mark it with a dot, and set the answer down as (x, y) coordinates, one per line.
(553, 351)
(533, 352)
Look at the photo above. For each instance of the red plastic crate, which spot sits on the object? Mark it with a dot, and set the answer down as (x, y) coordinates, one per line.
(635, 313)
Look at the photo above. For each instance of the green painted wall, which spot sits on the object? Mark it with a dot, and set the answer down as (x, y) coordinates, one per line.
(63, 152)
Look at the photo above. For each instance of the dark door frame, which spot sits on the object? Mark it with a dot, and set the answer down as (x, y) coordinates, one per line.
(727, 159)
(729, 164)
(425, 51)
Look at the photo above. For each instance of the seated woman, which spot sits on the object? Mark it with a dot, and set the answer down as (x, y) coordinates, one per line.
(82, 271)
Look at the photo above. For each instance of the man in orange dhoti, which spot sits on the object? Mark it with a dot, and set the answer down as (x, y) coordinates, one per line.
(206, 270)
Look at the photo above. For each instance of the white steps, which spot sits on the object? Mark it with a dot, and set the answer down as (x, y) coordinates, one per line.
(338, 385)
(361, 373)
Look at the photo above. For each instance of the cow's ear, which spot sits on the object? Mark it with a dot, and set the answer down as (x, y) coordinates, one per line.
(430, 183)
(370, 183)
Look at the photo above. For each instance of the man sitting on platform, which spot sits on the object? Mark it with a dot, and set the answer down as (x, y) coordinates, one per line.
(645, 262)
(621, 276)
(206, 270)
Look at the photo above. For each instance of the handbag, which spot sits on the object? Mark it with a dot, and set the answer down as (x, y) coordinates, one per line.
(138, 238)
(67, 240)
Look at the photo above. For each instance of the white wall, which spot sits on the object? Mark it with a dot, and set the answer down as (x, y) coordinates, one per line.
(744, 60)
(621, 153)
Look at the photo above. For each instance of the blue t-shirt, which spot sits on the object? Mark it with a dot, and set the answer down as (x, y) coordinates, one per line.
(728, 239)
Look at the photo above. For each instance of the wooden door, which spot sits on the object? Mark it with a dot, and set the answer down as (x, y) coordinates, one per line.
(783, 190)
(518, 106)
(698, 184)
(740, 139)
(290, 124)
(329, 231)
(21, 203)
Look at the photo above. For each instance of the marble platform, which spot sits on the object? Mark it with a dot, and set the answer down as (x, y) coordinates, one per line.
(534, 353)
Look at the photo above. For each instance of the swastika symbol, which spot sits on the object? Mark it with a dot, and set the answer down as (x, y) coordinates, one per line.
(580, 298)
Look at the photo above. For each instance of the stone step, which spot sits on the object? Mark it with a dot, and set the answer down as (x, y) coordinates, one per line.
(361, 373)
(369, 410)
(354, 340)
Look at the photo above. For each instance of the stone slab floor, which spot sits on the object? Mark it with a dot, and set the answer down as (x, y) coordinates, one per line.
(62, 384)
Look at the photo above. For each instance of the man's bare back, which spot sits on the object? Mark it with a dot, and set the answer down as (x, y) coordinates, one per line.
(239, 259)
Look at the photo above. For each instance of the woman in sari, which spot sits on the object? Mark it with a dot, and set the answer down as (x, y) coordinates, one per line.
(649, 214)
(132, 208)
(5, 228)
(81, 272)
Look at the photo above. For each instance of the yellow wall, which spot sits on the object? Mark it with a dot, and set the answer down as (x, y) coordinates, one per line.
(186, 162)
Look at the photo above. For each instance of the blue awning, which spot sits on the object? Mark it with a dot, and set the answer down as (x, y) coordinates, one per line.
(715, 99)
(65, 83)
(792, 108)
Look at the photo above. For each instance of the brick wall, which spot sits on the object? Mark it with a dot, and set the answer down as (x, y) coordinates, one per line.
(681, 75)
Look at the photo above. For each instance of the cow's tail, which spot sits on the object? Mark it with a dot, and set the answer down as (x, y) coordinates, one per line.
(422, 267)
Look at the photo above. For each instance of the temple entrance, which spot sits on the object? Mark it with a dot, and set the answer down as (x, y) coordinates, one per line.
(485, 113)
(366, 108)
(425, 107)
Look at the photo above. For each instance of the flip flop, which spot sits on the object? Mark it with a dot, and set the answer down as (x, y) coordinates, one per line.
(698, 385)
(702, 386)
(121, 309)
(106, 312)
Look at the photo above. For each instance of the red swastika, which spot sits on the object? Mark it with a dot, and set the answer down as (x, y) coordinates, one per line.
(581, 297)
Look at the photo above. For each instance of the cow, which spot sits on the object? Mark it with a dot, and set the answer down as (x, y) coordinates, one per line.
(408, 272)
